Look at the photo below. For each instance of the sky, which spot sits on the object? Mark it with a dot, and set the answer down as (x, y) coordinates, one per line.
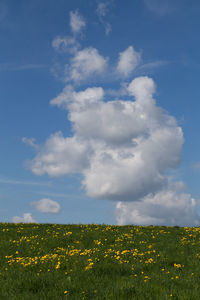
(99, 112)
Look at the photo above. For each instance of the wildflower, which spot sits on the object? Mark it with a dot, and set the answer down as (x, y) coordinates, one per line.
(58, 265)
(124, 251)
(89, 266)
(97, 242)
(178, 265)
(65, 292)
(150, 260)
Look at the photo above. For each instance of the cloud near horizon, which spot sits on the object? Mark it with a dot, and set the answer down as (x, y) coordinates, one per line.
(27, 218)
(169, 207)
(123, 149)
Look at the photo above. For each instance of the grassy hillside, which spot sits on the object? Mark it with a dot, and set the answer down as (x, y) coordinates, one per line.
(98, 262)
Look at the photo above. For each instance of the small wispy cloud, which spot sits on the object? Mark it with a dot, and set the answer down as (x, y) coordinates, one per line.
(47, 205)
(11, 67)
(64, 44)
(102, 11)
(152, 66)
(23, 182)
(51, 194)
(159, 7)
(128, 61)
(59, 195)
(77, 22)
(30, 142)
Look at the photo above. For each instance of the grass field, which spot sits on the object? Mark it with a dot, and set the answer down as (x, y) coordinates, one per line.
(43, 261)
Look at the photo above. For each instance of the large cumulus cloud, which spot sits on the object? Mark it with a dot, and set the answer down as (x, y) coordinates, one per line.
(123, 149)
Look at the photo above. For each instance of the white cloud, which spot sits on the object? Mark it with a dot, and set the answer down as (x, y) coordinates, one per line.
(84, 64)
(142, 88)
(77, 22)
(153, 65)
(30, 142)
(27, 218)
(47, 205)
(128, 61)
(60, 156)
(168, 207)
(123, 149)
(78, 99)
(65, 44)
(102, 10)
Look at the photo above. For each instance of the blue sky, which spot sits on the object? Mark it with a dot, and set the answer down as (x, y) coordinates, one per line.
(71, 72)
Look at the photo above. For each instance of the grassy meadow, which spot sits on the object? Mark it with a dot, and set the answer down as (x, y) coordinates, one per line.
(49, 261)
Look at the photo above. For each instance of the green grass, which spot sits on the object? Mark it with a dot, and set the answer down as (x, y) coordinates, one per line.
(99, 262)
